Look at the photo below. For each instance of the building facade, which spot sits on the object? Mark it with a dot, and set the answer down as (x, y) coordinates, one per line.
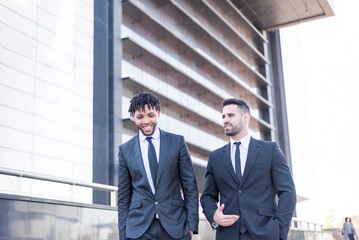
(68, 70)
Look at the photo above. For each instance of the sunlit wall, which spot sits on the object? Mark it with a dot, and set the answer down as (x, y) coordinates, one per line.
(46, 95)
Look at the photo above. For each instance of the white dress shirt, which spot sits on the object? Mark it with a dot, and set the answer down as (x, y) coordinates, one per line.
(243, 149)
(144, 153)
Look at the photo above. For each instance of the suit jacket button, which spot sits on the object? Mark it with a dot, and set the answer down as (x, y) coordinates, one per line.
(156, 203)
(240, 191)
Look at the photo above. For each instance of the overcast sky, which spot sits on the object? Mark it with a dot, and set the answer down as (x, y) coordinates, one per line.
(321, 66)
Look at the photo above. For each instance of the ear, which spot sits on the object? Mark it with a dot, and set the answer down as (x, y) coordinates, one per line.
(132, 116)
(158, 113)
(246, 117)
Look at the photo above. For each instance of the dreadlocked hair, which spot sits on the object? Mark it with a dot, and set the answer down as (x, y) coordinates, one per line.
(139, 102)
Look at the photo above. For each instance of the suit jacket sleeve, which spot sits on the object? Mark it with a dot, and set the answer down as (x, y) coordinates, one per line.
(284, 186)
(189, 187)
(124, 194)
(210, 193)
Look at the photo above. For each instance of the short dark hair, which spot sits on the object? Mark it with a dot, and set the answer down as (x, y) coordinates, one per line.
(237, 101)
(350, 220)
(139, 102)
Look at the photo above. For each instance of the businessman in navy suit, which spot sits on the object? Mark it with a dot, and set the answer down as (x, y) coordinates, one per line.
(154, 166)
(252, 181)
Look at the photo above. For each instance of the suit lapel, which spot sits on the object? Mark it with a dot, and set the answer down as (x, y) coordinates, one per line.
(136, 153)
(253, 150)
(228, 163)
(164, 145)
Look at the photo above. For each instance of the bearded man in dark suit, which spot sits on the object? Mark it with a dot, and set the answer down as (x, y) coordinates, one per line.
(252, 181)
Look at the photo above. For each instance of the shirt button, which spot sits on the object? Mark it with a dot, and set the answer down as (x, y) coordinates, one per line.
(156, 203)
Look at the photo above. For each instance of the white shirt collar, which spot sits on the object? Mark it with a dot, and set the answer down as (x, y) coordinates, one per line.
(155, 135)
(244, 141)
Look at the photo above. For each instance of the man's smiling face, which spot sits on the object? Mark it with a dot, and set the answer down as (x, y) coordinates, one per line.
(146, 120)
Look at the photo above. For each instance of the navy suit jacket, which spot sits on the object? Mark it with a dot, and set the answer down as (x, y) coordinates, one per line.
(137, 205)
(266, 175)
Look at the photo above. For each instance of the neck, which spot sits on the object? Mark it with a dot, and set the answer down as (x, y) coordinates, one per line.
(239, 136)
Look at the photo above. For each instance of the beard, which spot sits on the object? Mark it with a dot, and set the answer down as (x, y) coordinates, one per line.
(230, 134)
(233, 130)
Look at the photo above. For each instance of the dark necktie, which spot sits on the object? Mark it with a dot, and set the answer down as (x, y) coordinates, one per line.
(152, 159)
(238, 161)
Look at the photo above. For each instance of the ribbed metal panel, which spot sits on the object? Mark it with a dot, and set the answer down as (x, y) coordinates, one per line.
(193, 55)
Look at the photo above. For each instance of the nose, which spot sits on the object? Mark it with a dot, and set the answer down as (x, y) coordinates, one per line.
(146, 120)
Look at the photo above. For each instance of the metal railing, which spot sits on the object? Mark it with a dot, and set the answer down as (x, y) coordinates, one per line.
(296, 224)
(299, 224)
(72, 182)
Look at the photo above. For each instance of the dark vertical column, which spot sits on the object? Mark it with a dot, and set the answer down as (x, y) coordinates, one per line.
(278, 95)
(101, 97)
(107, 94)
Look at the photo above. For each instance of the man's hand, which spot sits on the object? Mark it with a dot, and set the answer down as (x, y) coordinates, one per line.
(224, 220)
(191, 233)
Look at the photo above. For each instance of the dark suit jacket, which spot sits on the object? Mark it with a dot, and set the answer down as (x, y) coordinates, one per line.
(137, 205)
(266, 175)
